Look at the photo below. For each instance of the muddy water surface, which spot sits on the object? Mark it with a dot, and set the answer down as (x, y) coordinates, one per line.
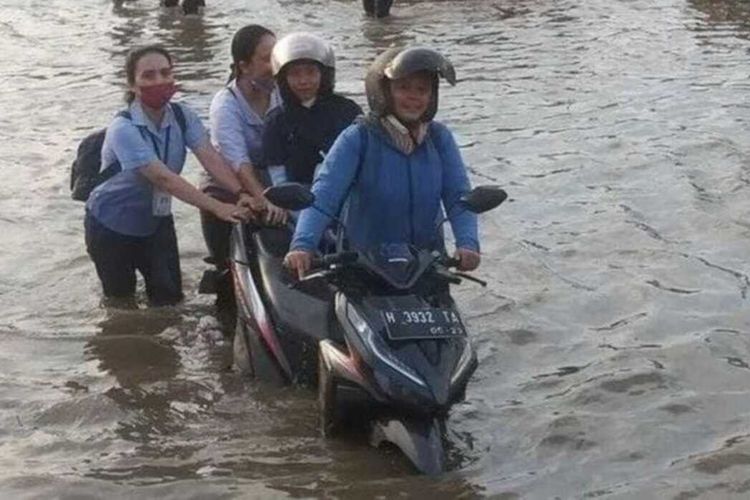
(613, 337)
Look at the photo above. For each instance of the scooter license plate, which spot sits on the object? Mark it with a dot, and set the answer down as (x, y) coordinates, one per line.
(414, 324)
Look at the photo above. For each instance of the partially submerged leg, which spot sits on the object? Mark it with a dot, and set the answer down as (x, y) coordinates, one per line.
(112, 254)
(159, 262)
(377, 8)
(192, 6)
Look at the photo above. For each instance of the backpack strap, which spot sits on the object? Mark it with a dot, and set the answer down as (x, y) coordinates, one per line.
(113, 168)
(179, 115)
(364, 138)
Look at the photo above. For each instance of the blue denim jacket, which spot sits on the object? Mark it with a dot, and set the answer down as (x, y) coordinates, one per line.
(393, 197)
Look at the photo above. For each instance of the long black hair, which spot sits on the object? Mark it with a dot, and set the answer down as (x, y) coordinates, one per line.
(131, 61)
(244, 43)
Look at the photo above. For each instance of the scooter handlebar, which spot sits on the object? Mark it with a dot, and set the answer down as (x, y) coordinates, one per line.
(341, 258)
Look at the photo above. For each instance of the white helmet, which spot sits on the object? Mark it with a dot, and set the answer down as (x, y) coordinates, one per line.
(301, 46)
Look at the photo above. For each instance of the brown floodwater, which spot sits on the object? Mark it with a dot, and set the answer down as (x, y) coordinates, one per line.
(613, 337)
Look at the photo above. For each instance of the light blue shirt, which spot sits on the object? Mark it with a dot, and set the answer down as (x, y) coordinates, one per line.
(236, 128)
(124, 203)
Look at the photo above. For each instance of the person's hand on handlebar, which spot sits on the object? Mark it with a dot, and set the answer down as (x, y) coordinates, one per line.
(299, 262)
(468, 260)
(275, 215)
(248, 206)
(228, 212)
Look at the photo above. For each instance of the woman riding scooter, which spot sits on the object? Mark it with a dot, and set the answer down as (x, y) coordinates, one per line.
(300, 132)
(399, 168)
(375, 329)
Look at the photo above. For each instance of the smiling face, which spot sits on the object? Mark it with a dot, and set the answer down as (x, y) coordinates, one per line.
(152, 68)
(411, 96)
(303, 78)
(258, 66)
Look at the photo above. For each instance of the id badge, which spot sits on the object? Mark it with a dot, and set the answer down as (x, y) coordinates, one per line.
(162, 203)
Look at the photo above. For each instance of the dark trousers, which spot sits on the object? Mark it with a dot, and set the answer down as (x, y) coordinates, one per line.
(216, 233)
(117, 257)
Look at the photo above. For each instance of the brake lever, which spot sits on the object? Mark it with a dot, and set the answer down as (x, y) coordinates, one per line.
(470, 278)
(294, 285)
(449, 276)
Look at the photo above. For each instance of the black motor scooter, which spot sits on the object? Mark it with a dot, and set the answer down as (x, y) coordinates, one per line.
(375, 327)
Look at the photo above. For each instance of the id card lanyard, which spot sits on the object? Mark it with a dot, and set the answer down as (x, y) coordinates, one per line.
(162, 201)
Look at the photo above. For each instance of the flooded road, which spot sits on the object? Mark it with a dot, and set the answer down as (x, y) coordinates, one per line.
(614, 335)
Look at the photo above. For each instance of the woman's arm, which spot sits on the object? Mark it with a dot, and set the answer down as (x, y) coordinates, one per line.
(166, 180)
(214, 163)
(133, 153)
(228, 136)
(330, 187)
(455, 184)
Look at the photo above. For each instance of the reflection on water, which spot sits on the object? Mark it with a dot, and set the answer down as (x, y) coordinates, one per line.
(192, 40)
(387, 33)
(723, 11)
(143, 365)
(613, 335)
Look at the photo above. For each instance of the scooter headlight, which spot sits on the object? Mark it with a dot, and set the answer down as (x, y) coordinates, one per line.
(358, 322)
(372, 341)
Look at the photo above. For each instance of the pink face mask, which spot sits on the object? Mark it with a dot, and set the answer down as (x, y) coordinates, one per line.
(156, 96)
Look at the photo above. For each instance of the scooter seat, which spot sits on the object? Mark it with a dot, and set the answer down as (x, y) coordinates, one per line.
(301, 310)
(272, 242)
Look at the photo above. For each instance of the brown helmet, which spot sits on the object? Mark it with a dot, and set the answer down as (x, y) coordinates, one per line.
(399, 63)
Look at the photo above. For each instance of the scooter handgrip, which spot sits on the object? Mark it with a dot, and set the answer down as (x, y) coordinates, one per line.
(452, 262)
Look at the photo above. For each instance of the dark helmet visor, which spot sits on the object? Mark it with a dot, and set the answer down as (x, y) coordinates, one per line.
(418, 59)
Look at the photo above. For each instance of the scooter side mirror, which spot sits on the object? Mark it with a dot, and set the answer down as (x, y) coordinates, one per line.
(290, 196)
(483, 198)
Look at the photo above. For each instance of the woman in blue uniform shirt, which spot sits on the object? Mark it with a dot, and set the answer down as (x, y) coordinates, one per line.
(237, 116)
(129, 225)
(399, 169)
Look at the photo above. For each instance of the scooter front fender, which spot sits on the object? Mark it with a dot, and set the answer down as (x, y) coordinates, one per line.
(419, 438)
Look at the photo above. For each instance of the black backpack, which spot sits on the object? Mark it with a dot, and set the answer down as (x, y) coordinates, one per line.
(86, 172)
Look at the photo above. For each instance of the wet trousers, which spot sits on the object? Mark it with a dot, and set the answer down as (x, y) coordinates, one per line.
(117, 257)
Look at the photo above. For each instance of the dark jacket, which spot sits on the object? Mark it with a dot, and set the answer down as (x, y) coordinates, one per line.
(295, 136)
